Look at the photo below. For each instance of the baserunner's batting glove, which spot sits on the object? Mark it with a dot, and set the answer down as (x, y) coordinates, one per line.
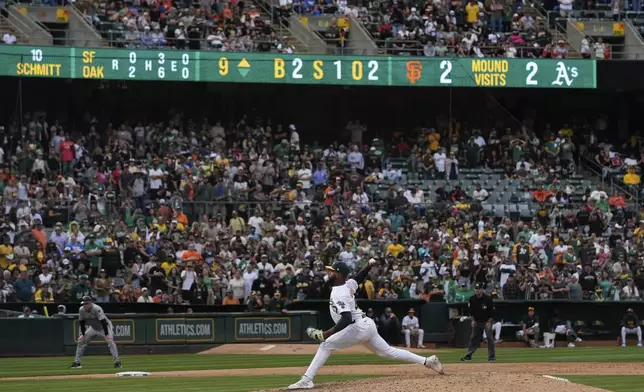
(315, 334)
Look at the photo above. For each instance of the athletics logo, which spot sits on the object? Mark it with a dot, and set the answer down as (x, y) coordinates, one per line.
(414, 71)
(563, 76)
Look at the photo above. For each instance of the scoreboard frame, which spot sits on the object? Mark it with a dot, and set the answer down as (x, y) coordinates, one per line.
(309, 69)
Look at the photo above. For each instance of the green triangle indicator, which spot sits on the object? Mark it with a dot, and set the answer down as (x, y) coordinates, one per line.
(243, 71)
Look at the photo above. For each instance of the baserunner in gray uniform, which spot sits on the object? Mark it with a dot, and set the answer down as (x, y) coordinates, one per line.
(93, 322)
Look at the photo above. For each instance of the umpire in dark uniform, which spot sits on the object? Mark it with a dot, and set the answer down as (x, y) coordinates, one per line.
(482, 315)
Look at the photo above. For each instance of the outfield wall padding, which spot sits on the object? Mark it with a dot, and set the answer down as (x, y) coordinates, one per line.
(147, 333)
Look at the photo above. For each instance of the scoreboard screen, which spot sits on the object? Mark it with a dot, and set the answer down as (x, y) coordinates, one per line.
(189, 66)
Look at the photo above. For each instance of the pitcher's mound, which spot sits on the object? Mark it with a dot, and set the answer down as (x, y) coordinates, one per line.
(479, 382)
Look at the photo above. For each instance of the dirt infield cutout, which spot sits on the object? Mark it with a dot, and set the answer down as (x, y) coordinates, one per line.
(458, 382)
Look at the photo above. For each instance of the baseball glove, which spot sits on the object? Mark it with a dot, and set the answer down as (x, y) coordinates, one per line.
(315, 334)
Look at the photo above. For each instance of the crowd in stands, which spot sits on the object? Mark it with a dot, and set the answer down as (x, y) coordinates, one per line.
(471, 29)
(202, 213)
(206, 25)
(622, 164)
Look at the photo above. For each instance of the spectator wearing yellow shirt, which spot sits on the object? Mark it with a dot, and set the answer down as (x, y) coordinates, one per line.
(168, 265)
(5, 250)
(434, 139)
(395, 249)
(223, 162)
(631, 178)
(21, 265)
(368, 288)
(44, 295)
(639, 232)
(472, 10)
(236, 223)
(161, 225)
(566, 132)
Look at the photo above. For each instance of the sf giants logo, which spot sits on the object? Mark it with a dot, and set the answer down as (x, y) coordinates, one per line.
(414, 71)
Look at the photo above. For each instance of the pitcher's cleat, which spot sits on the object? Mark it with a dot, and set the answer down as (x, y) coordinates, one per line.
(304, 383)
(434, 364)
(76, 365)
(466, 359)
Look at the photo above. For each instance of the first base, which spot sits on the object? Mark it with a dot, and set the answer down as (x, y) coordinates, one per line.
(132, 374)
(556, 378)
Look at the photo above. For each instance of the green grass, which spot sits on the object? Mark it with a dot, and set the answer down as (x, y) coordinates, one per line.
(579, 354)
(623, 383)
(170, 384)
(48, 366)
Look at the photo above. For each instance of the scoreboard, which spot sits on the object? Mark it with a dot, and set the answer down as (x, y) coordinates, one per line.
(189, 66)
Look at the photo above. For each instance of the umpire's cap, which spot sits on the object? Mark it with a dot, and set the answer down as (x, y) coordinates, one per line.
(87, 300)
(340, 267)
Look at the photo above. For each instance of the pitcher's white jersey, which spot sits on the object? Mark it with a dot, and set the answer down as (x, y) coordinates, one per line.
(343, 300)
(362, 330)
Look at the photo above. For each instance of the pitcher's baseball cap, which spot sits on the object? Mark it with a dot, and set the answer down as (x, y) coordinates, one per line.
(86, 300)
(340, 267)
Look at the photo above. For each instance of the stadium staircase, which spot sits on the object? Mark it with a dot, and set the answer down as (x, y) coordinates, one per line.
(278, 23)
(556, 31)
(6, 26)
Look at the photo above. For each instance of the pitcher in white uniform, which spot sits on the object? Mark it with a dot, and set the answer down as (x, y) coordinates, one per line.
(352, 327)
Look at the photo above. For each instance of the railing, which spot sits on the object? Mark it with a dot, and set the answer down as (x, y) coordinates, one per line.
(195, 210)
(387, 46)
(607, 179)
(18, 26)
(270, 9)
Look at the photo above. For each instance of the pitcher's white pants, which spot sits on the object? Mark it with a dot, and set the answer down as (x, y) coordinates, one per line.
(363, 332)
(632, 331)
(409, 333)
(496, 328)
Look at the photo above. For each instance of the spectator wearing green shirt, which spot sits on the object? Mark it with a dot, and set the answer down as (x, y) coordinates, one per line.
(93, 251)
(552, 147)
(401, 287)
(80, 289)
(397, 220)
(602, 204)
(606, 285)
